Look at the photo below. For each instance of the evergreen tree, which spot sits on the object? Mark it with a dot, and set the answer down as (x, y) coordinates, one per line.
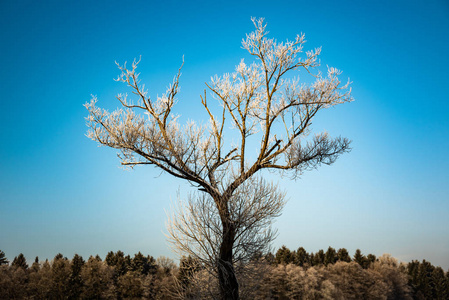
(129, 286)
(59, 256)
(412, 271)
(370, 259)
(330, 257)
(343, 255)
(439, 283)
(302, 257)
(19, 280)
(447, 285)
(360, 258)
(34, 278)
(318, 258)
(76, 282)
(76, 264)
(284, 256)
(142, 264)
(35, 267)
(45, 284)
(127, 262)
(60, 274)
(96, 277)
(424, 280)
(20, 262)
(111, 259)
(118, 260)
(3, 260)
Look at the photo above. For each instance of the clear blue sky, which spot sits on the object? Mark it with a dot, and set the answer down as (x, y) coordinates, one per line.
(59, 192)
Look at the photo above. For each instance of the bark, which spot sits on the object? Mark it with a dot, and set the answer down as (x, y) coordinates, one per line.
(229, 286)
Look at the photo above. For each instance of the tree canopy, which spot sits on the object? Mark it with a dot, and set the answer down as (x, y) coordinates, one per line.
(266, 104)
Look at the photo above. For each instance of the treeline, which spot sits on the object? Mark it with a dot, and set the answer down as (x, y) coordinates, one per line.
(117, 277)
(414, 280)
(286, 274)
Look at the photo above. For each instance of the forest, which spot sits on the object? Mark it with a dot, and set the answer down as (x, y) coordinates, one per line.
(285, 274)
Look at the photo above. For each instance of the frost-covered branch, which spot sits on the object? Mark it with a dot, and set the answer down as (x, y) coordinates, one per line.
(270, 110)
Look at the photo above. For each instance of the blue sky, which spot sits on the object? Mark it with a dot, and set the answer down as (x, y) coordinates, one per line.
(59, 192)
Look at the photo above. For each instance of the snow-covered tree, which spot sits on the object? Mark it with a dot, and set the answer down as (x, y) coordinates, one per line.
(267, 107)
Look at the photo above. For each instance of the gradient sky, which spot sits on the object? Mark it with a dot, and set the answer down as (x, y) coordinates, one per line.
(59, 192)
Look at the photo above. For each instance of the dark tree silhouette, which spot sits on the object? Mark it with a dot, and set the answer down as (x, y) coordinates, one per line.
(20, 262)
(3, 260)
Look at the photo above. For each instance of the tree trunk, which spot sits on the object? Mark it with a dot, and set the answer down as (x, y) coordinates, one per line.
(229, 286)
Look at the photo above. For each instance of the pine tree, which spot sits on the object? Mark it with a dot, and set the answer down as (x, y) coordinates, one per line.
(284, 256)
(343, 255)
(76, 264)
(424, 280)
(129, 286)
(20, 262)
(60, 273)
(360, 258)
(118, 260)
(111, 258)
(141, 264)
(59, 256)
(330, 257)
(76, 282)
(35, 267)
(318, 258)
(96, 277)
(446, 292)
(439, 283)
(370, 258)
(3, 260)
(302, 257)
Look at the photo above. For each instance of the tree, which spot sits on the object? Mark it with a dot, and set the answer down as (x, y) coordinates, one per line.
(302, 257)
(392, 275)
(60, 275)
(370, 259)
(188, 266)
(34, 278)
(330, 257)
(76, 282)
(96, 276)
(143, 264)
(439, 283)
(360, 258)
(3, 259)
(130, 286)
(45, 284)
(318, 258)
(20, 262)
(343, 255)
(167, 265)
(195, 227)
(266, 107)
(118, 260)
(284, 256)
(35, 267)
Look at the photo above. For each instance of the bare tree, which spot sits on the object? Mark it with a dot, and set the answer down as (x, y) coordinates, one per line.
(195, 227)
(266, 107)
